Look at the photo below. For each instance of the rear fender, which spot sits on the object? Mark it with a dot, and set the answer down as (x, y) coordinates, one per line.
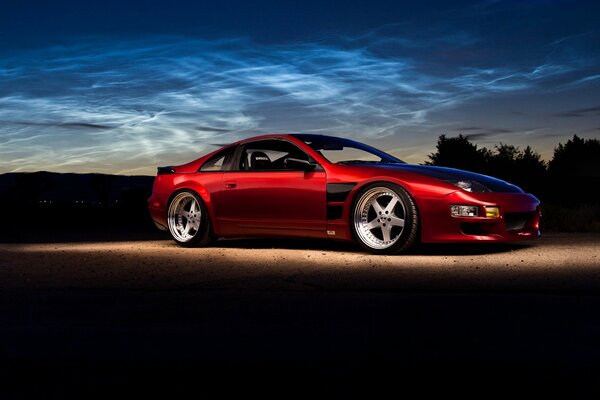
(183, 182)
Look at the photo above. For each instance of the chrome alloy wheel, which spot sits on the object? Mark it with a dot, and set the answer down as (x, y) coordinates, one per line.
(184, 217)
(379, 218)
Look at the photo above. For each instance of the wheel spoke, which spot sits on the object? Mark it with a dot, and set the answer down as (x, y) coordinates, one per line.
(373, 224)
(377, 207)
(186, 230)
(389, 209)
(395, 221)
(386, 231)
(193, 206)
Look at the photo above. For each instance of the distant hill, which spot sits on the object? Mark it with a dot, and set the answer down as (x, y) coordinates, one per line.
(55, 207)
(99, 190)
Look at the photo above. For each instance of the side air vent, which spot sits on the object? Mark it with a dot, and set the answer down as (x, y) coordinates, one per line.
(165, 170)
(338, 192)
(334, 212)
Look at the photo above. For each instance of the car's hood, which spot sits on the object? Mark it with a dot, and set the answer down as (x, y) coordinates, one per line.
(452, 174)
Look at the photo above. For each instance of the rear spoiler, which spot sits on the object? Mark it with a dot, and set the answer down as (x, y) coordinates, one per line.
(165, 170)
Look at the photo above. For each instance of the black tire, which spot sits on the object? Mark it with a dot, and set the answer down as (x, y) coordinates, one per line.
(199, 233)
(367, 223)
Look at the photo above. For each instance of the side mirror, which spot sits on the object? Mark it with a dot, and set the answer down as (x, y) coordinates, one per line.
(298, 164)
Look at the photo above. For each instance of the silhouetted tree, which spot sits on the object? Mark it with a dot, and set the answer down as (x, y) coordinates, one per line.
(575, 172)
(524, 168)
(502, 161)
(531, 160)
(530, 164)
(577, 157)
(458, 152)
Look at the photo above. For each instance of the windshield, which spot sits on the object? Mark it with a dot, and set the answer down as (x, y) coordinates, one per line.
(346, 151)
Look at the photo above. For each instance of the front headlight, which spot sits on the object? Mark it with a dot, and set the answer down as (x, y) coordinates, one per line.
(469, 185)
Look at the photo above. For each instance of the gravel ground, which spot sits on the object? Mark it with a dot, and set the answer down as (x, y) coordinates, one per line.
(555, 262)
(290, 318)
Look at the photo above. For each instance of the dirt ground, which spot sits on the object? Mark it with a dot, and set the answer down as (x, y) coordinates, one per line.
(555, 262)
(300, 317)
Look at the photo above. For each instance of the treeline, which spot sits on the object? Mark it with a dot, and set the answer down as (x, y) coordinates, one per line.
(566, 185)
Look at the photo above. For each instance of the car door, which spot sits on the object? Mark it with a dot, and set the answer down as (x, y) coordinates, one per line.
(263, 196)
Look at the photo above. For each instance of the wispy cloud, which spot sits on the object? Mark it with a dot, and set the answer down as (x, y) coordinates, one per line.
(123, 106)
(476, 132)
(580, 112)
(73, 125)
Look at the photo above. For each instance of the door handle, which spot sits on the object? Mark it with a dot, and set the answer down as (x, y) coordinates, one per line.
(230, 184)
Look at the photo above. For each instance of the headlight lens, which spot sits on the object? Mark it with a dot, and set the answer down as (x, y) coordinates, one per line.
(458, 210)
(469, 185)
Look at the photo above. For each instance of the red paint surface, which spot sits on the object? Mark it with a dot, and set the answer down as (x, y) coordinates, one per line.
(293, 203)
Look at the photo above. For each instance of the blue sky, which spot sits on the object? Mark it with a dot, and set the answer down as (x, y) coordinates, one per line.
(121, 88)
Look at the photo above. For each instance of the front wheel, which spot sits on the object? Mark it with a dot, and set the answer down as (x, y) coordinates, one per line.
(188, 220)
(385, 219)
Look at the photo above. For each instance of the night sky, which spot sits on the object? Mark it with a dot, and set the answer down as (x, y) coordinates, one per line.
(124, 86)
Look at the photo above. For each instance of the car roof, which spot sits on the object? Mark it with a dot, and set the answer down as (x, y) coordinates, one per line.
(288, 135)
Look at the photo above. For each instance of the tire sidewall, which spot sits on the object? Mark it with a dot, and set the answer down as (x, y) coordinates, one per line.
(204, 232)
(408, 236)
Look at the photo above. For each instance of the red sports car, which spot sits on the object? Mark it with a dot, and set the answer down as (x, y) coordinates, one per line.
(319, 186)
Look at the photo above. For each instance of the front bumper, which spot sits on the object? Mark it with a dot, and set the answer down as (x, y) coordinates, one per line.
(519, 218)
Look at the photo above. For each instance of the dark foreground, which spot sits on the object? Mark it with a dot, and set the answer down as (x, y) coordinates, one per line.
(304, 319)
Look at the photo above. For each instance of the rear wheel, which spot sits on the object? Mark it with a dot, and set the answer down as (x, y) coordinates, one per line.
(385, 219)
(188, 220)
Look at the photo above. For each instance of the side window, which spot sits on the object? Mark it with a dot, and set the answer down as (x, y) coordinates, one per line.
(269, 155)
(218, 161)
